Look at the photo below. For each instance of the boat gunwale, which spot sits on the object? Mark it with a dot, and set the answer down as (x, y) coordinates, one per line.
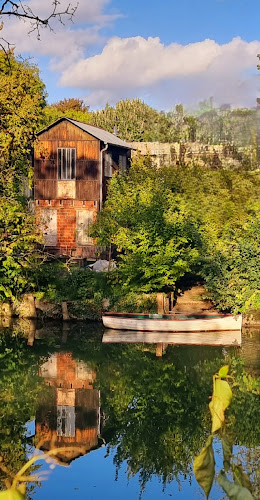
(169, 317)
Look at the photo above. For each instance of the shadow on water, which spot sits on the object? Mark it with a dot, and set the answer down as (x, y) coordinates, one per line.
(120, 408)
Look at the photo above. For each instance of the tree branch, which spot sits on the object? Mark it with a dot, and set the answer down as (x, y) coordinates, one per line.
(24, 12)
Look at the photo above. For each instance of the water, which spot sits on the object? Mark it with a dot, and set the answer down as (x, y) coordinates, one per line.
(124, 422)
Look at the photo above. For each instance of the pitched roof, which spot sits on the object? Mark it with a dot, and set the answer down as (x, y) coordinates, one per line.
(98, 133)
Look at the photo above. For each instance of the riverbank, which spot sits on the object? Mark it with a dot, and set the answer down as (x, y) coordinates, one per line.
(193, 300)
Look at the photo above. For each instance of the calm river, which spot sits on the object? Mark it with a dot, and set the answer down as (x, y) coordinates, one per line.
(125, 423)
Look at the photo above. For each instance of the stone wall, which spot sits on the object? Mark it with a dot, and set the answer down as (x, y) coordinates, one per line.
(215, 156)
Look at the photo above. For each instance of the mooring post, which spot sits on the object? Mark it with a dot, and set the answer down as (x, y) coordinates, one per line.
(28, 309)
(65, 312)
(160, 303)
(6, 310)
(31, 329)
(159, 350)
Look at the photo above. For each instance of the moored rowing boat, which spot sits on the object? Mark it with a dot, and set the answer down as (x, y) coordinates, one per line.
(172, 322)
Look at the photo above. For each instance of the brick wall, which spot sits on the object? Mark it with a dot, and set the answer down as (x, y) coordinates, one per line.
(66, 231)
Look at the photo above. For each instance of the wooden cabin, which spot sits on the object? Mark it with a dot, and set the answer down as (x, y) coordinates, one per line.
(73, 162)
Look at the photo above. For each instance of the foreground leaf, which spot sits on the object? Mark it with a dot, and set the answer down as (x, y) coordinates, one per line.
(241, 478)
(223, 371)
(11, 494)
(233, 491)
(227, 452)
(221, 399)
(204, 467)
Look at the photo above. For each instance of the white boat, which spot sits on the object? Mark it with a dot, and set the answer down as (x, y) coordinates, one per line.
(177, 322)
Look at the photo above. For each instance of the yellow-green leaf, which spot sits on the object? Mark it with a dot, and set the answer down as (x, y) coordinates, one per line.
(11, 494)
(221, 399)
(223, 371)
(204, 467)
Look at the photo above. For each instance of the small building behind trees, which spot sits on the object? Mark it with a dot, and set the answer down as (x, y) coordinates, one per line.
(73, 162)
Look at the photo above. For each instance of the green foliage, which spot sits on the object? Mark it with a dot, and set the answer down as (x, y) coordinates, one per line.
(22, 98)
(236, 126)
(20, 388)
(146, 220)
(169, 222)
(204, 467)
(135, 121)
(155, 412)
(71, 108)
(204, 463)
(19, 257)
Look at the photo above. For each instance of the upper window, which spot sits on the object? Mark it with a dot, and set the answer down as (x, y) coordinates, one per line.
(66, 164)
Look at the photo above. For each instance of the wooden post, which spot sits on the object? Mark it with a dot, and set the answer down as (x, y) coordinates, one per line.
(160, 303)
(159, 350)
(28, 309)
(6, 310)
(5, 321)
(31, 328)
(65, 312)
(172, 301)
(166, 305)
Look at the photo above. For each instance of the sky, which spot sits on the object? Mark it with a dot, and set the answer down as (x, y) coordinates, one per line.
(164, 52)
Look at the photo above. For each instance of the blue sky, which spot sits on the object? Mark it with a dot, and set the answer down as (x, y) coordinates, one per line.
(162, 51)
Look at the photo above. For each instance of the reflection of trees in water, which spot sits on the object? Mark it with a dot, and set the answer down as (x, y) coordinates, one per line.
(155, 411)
(20, 388)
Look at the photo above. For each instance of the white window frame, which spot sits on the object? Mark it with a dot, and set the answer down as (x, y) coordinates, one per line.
(66, 161)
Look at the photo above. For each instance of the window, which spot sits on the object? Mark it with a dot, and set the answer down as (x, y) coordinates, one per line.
(66, 164)
(108, 165)
(122, 162)
(84, 222)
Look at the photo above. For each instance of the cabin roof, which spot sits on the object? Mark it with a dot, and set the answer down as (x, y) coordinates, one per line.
(98, 133)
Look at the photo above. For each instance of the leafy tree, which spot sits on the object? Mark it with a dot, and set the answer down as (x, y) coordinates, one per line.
(20, 388)
(146, 220)
(133, 120)
(224, 205)
(168, 223)
(19, 256)
(72, 103)
(22, 98)
(72, 108)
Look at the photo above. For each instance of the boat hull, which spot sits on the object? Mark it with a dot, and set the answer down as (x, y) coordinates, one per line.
(173, 324)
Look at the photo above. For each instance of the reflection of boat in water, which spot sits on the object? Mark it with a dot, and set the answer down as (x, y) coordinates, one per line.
(217, 338)
(177, 322)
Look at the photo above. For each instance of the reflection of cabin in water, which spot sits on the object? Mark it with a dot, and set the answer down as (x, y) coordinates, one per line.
(70, 414)
(73, 162)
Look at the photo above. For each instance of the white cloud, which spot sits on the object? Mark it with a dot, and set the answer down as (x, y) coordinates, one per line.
(65, 43)
(134, 66)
